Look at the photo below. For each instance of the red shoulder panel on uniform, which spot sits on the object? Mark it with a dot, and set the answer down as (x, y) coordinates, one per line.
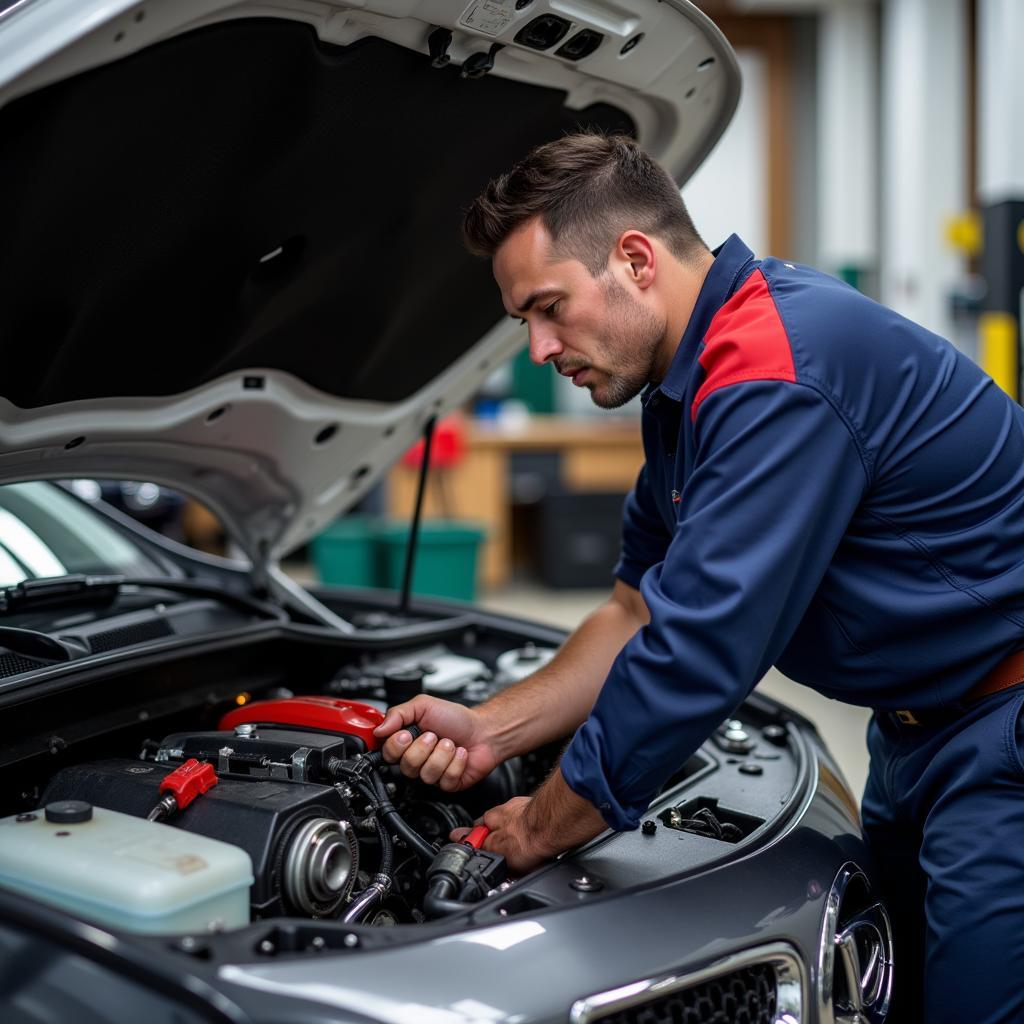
(746, 341)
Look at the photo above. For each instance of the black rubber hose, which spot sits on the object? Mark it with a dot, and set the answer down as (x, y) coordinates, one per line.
(387, 848)
(399, 825)
(438, 901)
(363, 902)
(385, 808)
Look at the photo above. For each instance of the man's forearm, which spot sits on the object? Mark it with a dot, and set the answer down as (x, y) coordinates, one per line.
(558, 818)
(555, 700)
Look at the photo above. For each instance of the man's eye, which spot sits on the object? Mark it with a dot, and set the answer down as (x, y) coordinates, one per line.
(552, 310)
(522, 321)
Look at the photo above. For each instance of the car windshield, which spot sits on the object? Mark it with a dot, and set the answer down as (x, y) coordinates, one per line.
(44, 531)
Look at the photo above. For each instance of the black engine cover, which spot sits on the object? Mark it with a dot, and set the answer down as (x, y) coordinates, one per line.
(258, 815)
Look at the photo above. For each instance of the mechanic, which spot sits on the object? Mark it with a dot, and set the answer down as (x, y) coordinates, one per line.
(829, 488)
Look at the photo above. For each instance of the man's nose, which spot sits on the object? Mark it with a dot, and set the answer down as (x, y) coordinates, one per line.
(544, 344)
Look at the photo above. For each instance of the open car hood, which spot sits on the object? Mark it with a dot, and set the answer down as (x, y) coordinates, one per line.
(231, 255)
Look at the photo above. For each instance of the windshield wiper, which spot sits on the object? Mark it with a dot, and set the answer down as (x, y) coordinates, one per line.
(59, 590)
(76, 588)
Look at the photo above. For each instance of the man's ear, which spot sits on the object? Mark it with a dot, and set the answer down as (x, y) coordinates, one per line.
(635, 252)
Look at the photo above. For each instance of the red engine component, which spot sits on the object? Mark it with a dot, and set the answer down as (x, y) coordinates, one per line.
(189, 780)
(325, 714)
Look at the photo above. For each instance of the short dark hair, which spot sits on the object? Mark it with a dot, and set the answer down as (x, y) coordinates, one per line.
(587, 189)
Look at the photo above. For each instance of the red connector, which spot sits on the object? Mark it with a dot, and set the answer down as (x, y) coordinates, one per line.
(477, 836)
(188, 781)
(182, 786)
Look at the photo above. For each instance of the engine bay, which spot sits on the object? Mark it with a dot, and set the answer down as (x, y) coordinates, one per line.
(237, 788)
(329, 828)
(299, 785)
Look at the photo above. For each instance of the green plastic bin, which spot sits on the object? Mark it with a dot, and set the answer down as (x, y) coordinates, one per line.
(446, 558)
(347, 552)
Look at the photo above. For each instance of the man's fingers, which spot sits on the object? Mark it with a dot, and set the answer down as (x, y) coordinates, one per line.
(451, 780)
(494, 819)
(399, 715)
(435, 760)
(458, 834)
(499, 815)
(395, 746)
(437, 763)
(416, 755)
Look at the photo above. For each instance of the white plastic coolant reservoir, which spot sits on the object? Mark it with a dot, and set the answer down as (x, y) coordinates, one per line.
(125, 872)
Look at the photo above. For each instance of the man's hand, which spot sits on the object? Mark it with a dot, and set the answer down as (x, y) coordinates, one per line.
(453, 750)
(512, 836)
(531, 830)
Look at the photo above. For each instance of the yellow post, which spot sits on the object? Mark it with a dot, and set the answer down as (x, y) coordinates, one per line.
(997, 349)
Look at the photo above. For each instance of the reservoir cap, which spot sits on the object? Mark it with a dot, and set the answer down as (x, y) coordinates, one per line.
(68, 812)
(402, 684)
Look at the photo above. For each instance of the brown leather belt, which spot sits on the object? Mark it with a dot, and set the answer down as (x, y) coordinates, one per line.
(1008, 673)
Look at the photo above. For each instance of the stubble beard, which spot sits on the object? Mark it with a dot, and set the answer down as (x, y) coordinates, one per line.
(629, 345)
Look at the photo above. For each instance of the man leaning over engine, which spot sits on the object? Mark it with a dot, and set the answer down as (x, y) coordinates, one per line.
(829, 488)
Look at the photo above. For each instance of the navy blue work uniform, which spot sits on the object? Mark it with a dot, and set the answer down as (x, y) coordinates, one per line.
(834, 490)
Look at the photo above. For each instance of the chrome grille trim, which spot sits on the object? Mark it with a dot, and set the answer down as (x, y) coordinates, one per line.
(791, 985)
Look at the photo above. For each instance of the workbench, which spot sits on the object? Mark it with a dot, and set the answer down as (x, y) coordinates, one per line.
(603, 453)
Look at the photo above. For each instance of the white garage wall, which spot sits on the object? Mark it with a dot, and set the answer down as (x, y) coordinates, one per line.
(729, 192)
(924, 146)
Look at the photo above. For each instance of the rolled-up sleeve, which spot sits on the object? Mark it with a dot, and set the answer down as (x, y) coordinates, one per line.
(777, 477)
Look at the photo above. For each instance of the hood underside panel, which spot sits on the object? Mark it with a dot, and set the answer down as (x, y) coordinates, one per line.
(248, 195)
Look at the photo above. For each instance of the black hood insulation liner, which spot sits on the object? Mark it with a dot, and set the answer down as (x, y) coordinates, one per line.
(247, 196)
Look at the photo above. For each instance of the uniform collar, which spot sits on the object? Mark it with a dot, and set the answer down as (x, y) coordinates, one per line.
(732, 260)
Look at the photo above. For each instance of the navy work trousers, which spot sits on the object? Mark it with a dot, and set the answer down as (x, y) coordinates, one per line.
(944, 814)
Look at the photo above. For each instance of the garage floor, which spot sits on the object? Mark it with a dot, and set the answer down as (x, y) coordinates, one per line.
(843, 727)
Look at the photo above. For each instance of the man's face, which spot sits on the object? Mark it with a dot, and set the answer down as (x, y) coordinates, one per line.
(591, 329)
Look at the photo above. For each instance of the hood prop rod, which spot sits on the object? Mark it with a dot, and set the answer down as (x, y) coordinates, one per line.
(414, 526)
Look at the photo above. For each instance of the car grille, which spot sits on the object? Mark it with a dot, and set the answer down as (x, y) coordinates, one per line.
(746, 996)
(763, 985)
